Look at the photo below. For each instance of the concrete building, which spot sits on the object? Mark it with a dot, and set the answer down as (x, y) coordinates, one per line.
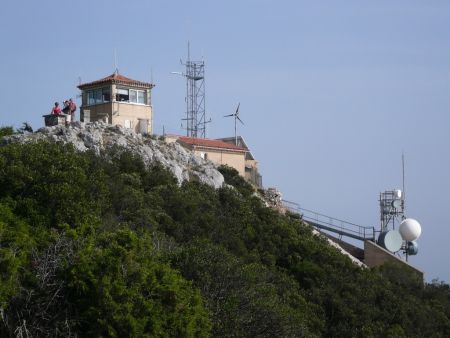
(221, 151)
(119, 100)
(216, 151)
(251, 165)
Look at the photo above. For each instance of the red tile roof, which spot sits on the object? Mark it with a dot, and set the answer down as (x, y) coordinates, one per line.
(117, 79)
(208, 143)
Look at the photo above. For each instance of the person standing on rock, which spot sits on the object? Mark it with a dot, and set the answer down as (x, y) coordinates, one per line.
(72, 108)
(66, 109)
(56, 109)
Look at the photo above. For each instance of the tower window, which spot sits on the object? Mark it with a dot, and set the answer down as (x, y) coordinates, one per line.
(141, 96)
(99, 95)
(137, 96)
(122, 95)
(131, 95)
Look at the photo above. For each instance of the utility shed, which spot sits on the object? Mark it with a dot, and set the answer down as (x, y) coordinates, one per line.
(216, 151)
(118, 100)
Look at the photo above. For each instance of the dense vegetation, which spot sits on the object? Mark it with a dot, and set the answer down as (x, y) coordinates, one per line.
(96, 246)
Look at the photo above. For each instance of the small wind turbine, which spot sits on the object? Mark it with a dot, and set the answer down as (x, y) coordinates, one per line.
(236, 118)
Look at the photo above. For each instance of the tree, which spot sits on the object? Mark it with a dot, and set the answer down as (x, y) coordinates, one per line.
(246, 300)
(107, 246)
(26, 127)
(6, 131)
(120, 289)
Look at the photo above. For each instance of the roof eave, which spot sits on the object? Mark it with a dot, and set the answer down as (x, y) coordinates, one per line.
(102, 83)
(219, 148)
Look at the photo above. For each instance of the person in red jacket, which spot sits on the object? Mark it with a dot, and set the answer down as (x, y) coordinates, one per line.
(56, 109)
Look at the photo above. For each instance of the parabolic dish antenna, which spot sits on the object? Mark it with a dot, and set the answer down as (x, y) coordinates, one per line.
(412, 248)
(397, 204)
(410, 229)
(391, 240)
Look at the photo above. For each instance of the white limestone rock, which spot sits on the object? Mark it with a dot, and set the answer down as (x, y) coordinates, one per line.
(99, 136)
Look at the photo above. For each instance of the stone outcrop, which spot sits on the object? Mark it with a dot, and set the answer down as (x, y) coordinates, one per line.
(273, 198)
(98, 136)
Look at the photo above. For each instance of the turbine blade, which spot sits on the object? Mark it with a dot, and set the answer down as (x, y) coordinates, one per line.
(228, 115)
(237, 109)
(239, 119)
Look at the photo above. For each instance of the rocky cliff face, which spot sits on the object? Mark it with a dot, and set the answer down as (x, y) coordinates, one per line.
(100, 136)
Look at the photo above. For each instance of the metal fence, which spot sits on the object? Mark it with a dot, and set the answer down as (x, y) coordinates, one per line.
(332, 224)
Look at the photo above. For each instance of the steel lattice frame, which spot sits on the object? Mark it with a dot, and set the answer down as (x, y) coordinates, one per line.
(195, 99)
(389, 214)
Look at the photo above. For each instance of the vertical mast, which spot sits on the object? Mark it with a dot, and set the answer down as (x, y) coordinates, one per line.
(195, 97)
(403, 181)
(235, 130)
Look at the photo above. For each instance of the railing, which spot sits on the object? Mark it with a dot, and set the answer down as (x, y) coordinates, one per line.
(338, 226)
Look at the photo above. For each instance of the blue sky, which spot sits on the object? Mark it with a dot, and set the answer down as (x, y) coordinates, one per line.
(331, 92)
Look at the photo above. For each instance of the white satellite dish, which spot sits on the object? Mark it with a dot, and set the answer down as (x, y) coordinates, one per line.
(397, 204)
(391, 240)
(410, 229)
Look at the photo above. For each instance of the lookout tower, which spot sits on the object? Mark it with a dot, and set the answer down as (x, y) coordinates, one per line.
(117, 99)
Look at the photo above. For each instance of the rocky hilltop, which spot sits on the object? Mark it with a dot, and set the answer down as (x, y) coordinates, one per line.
(117, 250)
(98, 136)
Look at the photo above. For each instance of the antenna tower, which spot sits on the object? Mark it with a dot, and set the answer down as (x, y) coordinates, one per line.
(392, 205)
(195, 97)
(392, 209)
(392, 212)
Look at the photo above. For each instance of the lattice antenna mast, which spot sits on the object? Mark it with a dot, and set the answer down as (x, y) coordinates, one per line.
(392, 209)
(392, 204)
(195, 97)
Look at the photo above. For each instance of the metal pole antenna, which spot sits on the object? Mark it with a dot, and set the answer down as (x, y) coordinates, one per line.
(116, 69)
(188, 129)
(235, 130)
(403, 182)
